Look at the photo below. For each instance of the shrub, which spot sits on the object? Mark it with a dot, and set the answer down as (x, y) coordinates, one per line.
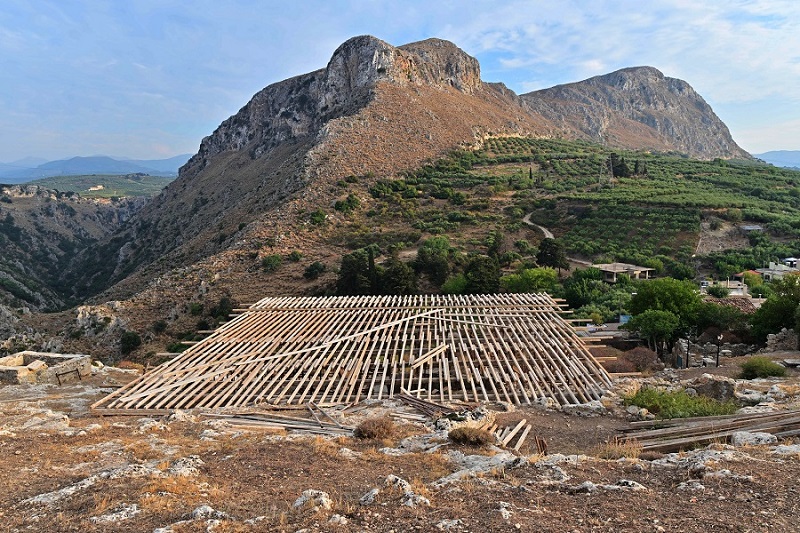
(317, 217)
(271, 263)
(375, 428)
(471, 436)
(176, 347)
(295, 256)
(678, 404)
(314, 270)
(129, 341)
(455, 284)
(644, 359)
(760, 367)
(347, 205)
(195, 308)
(159, 326)
(619, 448)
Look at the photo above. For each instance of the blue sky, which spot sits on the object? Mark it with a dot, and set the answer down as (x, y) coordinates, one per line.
(148, 79)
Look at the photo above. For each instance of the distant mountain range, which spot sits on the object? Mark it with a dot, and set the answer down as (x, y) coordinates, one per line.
(781, 158)
(30, 169)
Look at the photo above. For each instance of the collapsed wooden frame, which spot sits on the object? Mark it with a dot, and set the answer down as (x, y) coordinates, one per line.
(514, 348)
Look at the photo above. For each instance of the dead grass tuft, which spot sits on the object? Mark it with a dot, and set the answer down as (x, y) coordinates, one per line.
(102, 503)
(375, 428)
(619, 448)
(650, 455)
(130, 365)
(325, 447)
(471, 436)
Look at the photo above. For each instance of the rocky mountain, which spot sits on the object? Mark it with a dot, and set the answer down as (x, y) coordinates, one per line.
(637, 107)
(376, 110)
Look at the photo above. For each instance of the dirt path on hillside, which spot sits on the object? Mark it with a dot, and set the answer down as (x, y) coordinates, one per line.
(549, 235)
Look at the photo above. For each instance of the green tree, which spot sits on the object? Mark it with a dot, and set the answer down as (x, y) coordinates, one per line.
(354, 274)
(723, 317)
(619, 168)
(718, 291)
(494, 243)
(531, 280)
(551, 254)
(584, 286)
(456, 284)
(483, 275)
(780, 308)
(129, 341)
(314, 270)
(657, 326)
(680, 298)
(433, 259)
(398, 278)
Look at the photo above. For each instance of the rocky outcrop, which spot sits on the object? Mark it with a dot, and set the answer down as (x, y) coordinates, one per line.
(299, 106)
(638, 107)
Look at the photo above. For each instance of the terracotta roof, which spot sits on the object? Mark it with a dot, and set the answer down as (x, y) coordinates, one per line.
(743, 304)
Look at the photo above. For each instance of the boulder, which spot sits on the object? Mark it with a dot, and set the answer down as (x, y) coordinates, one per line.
(747, 438)
(718, 387)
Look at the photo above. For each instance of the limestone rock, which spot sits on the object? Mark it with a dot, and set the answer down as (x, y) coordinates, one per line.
(746, 438)
(663, 111)
(718, 387)
(593, 408)
(315, 500)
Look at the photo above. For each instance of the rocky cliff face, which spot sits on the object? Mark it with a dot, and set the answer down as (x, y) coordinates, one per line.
(374, 108)
(638, 108)
(299, 107)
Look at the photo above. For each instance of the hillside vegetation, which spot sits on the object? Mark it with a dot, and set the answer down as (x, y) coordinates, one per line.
(603, 206)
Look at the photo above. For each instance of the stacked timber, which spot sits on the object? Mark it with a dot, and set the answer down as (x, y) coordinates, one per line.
(684, 433)
(273, 420)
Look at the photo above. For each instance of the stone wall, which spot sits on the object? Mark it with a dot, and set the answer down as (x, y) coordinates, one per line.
(785, 340)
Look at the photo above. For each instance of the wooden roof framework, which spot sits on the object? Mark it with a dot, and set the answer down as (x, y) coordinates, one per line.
(341, 350)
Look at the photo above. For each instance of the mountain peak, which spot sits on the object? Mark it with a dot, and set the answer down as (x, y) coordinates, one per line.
(638, 107)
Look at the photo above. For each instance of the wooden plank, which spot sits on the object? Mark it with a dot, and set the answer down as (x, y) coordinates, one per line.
(518, 445)
(510, 435)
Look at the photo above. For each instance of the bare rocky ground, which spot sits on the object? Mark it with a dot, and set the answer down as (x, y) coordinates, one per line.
(65, 469)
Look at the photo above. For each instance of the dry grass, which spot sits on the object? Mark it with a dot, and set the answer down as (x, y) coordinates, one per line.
(375, 428)
(169, 494)
(619, 448)
(143, 450)
(471, 436)
(102, 503)
(130, 365)
(325, 447)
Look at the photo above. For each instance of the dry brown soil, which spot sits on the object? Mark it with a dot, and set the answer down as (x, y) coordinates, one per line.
(254, 477)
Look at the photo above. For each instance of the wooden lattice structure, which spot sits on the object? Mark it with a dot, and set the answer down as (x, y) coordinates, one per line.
(514, 348)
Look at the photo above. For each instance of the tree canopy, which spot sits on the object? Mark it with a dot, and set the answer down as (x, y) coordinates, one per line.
(551, 254)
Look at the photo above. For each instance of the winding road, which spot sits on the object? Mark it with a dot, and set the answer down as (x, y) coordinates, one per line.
(549, 235)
